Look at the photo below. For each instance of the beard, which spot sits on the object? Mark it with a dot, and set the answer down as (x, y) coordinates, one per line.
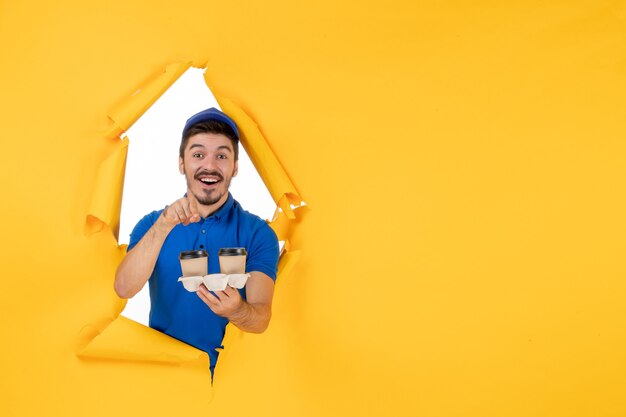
(207, 200)
(210, 197)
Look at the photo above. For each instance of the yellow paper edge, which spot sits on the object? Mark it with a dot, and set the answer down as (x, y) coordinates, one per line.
(106, 200)
(124, 339)
(130, 110)
(266, 163)
(105, 206)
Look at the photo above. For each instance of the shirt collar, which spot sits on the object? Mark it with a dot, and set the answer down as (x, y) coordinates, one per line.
(223, 211)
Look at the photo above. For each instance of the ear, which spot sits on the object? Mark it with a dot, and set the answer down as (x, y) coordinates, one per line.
(181, 165)
(236, 169)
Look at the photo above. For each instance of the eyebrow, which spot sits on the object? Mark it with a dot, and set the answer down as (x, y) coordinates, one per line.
(198, 145)
(225, 147)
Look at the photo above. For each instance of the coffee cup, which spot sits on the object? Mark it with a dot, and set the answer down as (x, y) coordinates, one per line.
(232, 260)
(194, 263)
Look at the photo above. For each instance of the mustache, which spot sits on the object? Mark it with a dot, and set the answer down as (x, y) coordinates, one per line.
(206, 172)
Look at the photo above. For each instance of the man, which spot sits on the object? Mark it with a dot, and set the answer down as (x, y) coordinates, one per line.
(206, 218)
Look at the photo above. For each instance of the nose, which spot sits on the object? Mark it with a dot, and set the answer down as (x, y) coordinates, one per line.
(209, 164)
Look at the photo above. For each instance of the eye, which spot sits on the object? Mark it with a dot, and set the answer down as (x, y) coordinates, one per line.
(222, 156)
(198, 155)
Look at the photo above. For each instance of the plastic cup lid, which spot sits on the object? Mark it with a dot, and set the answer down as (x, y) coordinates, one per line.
(232, 252)
(193, 254)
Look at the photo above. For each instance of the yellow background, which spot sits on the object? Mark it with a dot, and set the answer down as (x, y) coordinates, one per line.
(463, 168)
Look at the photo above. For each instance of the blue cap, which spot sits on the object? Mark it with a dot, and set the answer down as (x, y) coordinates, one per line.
(211, 114)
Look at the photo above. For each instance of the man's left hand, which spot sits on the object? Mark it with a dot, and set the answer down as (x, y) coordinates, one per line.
(227, 303)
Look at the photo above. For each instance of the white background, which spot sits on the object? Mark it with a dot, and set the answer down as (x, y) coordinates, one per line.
(152, 179)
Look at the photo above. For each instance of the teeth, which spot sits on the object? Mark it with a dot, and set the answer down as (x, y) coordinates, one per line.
(208, 180)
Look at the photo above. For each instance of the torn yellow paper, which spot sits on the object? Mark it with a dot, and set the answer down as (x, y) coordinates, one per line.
(283, 225)
(107, 195)
(232, 336)
(130, 110)
(502, 124)
(287, 263)
(124, 339)
(106, 200)
(271, 171)
(280, 224)
(285, 205)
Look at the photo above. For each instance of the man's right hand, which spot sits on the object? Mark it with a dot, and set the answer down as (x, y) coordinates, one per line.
(138, 264)
(183, 210)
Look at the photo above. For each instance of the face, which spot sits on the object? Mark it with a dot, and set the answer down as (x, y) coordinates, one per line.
(208, 164)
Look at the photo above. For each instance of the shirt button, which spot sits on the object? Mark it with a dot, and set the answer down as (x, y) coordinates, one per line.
(203, 232)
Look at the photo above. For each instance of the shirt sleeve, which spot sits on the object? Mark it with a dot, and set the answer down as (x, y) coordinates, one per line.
(142, 228)
(263, 252)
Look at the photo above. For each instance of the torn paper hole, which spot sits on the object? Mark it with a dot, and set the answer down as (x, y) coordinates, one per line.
(104, 341)
(152, 179)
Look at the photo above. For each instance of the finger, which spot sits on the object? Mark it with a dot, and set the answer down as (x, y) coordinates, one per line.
(212, 304)
(171, 216)
(192, 208)
(185, 208)
(193, 204)
(221, 295)
(206, 295)
(193, 217)
(209, 294)
(184, 205)
(180, 213)
(230, 291)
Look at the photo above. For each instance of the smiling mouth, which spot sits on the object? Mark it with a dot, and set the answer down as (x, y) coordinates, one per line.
(209, 181)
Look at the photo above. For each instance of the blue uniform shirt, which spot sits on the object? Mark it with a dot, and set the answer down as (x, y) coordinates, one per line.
(181, 314)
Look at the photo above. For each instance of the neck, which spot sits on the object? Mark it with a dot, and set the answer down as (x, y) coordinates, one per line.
(207, 210)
